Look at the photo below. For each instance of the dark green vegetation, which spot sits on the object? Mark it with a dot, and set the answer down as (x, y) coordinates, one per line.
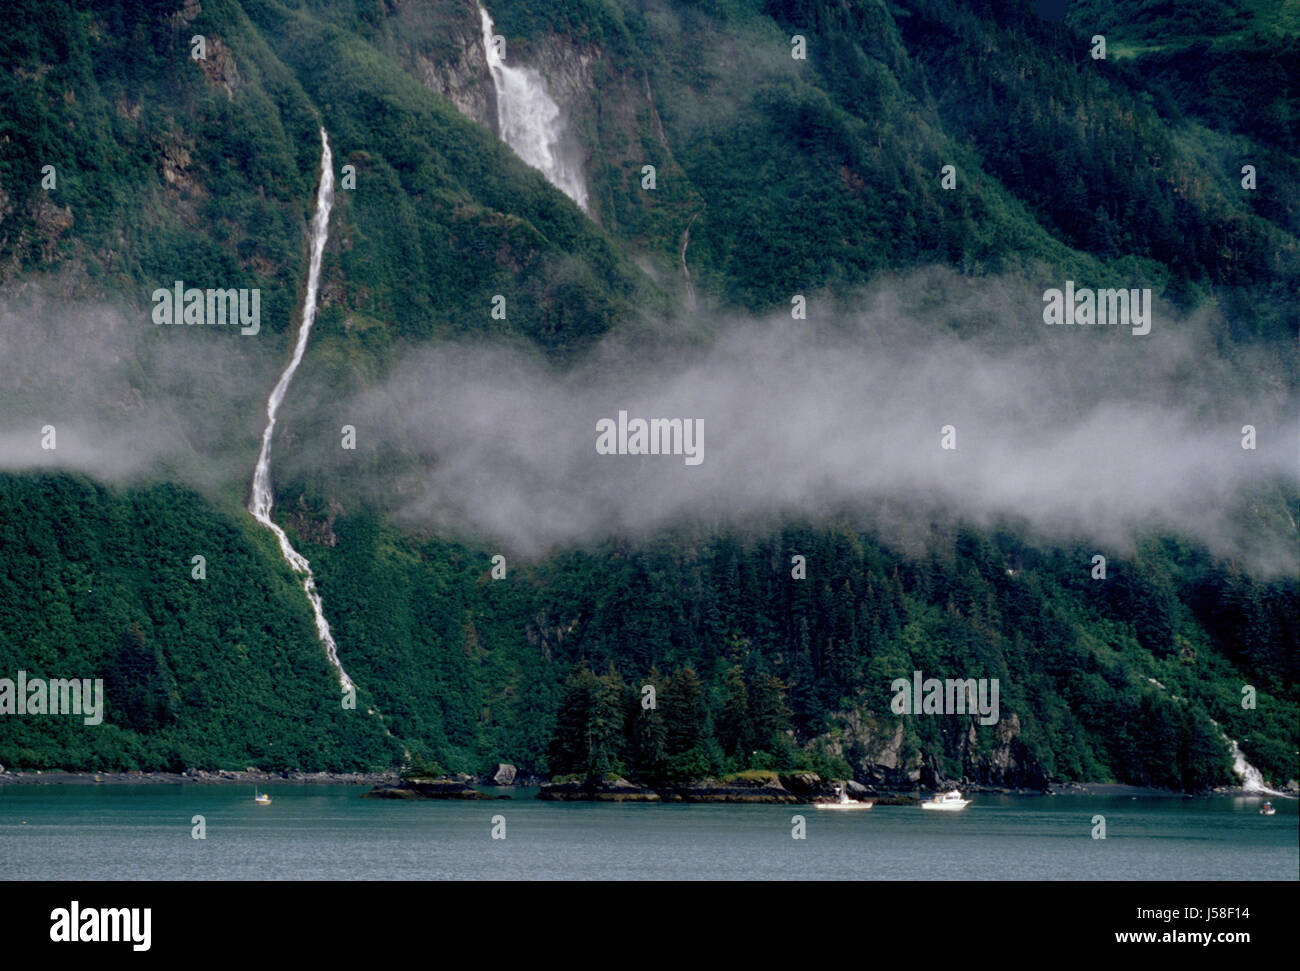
(812, 177)
(739, 653)
(1230, 63)
(1118, 166)
(222, 672)
(546, 668)
(207, 170)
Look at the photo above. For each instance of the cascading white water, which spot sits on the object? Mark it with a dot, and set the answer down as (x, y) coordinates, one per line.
(529, 120)
(1252, 780)
(260, 506)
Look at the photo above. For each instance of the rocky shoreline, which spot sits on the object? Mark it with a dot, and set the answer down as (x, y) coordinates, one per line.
(787, 788)
(425, 788)
(247, 777)
(795, 788)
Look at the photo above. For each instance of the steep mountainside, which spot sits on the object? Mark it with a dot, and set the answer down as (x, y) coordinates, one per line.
(726, 179)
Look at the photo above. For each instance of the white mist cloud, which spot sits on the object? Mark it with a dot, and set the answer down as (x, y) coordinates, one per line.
(128, 400)
(1082, 432)
(1078, 432)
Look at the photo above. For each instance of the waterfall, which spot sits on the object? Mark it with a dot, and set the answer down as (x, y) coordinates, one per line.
(686, 271)
(1252, 780)
(529, 120)
(260, 505)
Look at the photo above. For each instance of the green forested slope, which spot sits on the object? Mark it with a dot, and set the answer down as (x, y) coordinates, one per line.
(470, 670)
(223, 671)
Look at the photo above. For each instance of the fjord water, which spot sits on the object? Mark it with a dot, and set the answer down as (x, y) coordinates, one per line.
(329, 832)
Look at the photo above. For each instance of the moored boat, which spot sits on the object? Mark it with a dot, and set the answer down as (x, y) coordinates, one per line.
(842, 801)
(948, 802)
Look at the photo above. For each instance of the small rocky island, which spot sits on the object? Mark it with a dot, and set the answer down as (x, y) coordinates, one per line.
(743, 787)
(755, 786)
(424, 787)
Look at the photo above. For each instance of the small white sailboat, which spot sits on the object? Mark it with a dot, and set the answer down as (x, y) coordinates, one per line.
(1267, 809)
(842, 801)
(948, 802)
(261, 798)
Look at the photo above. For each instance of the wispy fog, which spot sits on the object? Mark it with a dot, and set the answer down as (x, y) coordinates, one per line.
(128, 400)
(1078, 432)
(1087, 432)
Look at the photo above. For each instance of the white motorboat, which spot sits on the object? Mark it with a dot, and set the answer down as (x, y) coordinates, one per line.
(842, 801)
(948, 802)
(1267, 809)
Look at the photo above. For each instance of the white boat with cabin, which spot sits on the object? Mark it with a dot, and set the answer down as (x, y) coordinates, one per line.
(842, 801)
(948, 802)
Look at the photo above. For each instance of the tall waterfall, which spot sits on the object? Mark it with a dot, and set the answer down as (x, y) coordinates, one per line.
(260, 506)
(530, 121)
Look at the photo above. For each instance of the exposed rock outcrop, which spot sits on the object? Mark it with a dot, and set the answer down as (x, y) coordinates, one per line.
(883, 753)
(611, 790)
(459, 72)
(1008, 763)
(711, 790)
(423, 788)
(799, 787)
(220, 68)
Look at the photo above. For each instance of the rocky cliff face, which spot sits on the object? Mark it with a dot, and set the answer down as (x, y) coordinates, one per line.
(875, 749)
(567, 70)
(458, 71)
(1008, 763)
(884, 753)
(612, 122)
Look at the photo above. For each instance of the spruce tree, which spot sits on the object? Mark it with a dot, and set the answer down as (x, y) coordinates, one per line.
(735, 726)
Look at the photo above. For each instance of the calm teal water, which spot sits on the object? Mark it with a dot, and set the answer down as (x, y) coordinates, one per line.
(329, 832)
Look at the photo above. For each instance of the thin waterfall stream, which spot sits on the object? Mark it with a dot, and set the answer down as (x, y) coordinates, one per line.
(260, 504)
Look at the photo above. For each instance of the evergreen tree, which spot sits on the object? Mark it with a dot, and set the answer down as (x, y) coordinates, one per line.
(571, 748)
(734, 723)
(139, 686)
(606, 727)
(588, 739)
(648, 731)
(771, 715)
(684, 712)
